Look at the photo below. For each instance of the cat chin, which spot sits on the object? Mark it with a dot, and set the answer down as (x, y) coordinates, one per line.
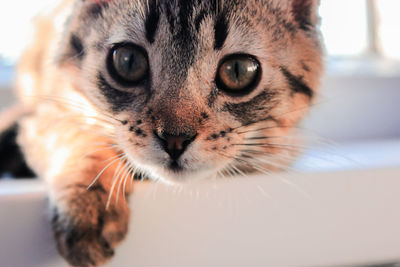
(164, 171)
(178, 177)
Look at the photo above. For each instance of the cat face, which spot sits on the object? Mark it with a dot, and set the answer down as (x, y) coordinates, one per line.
(197, 87)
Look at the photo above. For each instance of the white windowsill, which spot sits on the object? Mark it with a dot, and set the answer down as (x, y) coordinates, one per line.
(337, 215)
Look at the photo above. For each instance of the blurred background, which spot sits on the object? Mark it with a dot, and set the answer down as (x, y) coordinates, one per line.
(358, 106)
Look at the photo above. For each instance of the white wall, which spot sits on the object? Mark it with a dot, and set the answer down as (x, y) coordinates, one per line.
(357, 107)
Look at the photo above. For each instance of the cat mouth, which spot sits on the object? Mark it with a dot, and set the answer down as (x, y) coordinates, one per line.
(159, 165)
(175, 167)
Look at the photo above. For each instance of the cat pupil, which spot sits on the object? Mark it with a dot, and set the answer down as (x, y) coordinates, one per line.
(128, 64)
(238, 73)
(130, 61)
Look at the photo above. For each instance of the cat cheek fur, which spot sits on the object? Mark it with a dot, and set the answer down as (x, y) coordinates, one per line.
(76, 134)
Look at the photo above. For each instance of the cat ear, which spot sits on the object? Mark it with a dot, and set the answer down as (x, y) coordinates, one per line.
(99, 2)
(94, 8)
(96, 2)
(305, 13)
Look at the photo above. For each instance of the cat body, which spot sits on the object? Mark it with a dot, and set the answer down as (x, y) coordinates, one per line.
(174, 90)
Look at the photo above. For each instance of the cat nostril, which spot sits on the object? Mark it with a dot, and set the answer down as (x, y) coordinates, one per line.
(175, 145)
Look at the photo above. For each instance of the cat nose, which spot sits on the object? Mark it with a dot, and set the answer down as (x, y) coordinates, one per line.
(175, 145)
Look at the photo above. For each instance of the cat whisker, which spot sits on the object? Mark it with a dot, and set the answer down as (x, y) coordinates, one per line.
(273, 162)
(262, 120)
(102, 171)
(69, 103)
(289, 148)
(91, 120)
(279, 116)
(110, 147)
(263, 192)
(131, 175)
(239, 171)
(270, 144)
(247, 159)
(270, 137)
(94, 132)
(262, 129)
(252, 153)
(116, 178)
(289, 183)
(135, 172)
(87, 121)
(121, 181)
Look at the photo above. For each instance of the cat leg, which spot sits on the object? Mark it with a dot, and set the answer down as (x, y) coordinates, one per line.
(86, 230)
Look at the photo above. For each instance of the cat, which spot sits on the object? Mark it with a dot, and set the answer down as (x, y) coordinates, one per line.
(174, 90)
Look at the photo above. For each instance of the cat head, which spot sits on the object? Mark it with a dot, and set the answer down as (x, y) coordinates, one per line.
(197, 87)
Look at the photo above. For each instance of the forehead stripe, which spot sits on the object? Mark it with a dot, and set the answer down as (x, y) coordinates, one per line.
(199, 19)
(220, 30)
(152, 21)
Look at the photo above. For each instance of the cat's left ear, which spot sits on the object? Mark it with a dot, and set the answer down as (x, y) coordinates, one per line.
(96, 3)
(99, 2)
(305, 13)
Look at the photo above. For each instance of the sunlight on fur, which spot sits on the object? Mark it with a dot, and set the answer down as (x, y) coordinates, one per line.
(172, 91)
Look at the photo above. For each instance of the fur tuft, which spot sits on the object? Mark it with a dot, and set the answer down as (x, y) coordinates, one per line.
(305, 13)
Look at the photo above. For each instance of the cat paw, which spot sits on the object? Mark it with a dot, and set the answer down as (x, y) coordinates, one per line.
(85, 231)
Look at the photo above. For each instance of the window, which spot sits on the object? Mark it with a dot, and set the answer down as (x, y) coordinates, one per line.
(361, 28)
(15, 26)
(344, 29)
(351, 29)
(389, 27)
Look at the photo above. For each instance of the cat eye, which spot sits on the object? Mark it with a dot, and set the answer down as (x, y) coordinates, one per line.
(128, 64)
(238, 74)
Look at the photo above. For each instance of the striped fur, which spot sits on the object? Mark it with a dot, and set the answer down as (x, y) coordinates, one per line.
(78, 105)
